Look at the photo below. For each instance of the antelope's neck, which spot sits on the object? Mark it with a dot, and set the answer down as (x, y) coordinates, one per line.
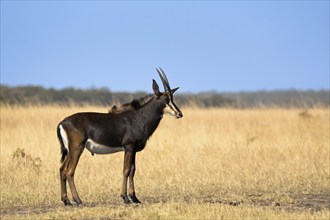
(152, 113)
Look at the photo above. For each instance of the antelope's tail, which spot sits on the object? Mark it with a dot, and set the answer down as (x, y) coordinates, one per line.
(63, 139)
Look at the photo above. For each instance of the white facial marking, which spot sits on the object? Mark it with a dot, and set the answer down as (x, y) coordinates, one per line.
(169, 110)
(65, 138)
(96, 148)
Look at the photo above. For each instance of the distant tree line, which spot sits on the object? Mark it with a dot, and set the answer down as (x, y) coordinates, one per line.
(281, 98)
(103, 96)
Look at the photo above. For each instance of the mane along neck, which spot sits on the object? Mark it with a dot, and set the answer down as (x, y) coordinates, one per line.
(133, 105)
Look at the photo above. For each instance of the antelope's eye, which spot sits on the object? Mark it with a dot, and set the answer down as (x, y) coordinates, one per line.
(167, 100)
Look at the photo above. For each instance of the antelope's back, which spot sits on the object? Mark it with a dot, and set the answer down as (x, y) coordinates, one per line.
(104, 128)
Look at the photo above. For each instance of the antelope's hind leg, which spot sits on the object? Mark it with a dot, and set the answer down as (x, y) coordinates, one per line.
(64, 194)
(70, 171)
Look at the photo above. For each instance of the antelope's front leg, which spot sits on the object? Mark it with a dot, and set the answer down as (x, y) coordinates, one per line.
(131, 190)
(129, 170)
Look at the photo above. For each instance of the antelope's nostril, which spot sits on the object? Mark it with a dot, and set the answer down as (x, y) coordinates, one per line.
(179, 115)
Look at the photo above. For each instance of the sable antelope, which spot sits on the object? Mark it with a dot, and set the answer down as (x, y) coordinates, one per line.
(104, 133)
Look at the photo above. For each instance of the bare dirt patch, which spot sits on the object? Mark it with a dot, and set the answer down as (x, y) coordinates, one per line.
(315, 202)
(28, 210)
(296, 203)
(293, 202)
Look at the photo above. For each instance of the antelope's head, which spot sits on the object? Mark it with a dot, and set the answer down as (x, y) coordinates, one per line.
(170, 107)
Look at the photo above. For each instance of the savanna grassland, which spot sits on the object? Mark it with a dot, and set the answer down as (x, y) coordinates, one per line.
(211, 164)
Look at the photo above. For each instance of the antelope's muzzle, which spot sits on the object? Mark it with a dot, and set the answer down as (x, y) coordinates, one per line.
(179, 115)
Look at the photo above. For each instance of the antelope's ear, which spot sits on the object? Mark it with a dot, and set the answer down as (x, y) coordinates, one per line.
(173, 90)
(155, 87)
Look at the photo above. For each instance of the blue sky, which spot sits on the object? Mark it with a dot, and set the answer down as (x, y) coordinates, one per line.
(201, 45)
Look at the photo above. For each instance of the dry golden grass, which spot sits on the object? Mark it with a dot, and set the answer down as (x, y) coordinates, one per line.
(212, 163)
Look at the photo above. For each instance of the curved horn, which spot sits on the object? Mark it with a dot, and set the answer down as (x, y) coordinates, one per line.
(164, 80)
(164, 75)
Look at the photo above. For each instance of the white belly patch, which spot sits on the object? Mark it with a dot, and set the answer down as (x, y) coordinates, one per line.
(96, 148)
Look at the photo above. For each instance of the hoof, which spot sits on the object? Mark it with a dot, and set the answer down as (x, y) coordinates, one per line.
(134, 199)
(126, 199)
(78, 202)
(66, 202)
